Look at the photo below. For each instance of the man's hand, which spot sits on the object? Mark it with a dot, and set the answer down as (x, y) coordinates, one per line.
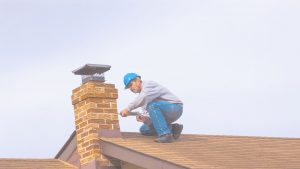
(124, 112)
(141, 118)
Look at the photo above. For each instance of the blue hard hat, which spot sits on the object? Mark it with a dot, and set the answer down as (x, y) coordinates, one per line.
(128, 78)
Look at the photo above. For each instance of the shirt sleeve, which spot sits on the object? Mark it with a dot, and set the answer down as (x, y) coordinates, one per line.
(148, 94)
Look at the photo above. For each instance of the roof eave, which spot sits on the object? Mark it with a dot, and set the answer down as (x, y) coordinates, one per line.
(137, 158)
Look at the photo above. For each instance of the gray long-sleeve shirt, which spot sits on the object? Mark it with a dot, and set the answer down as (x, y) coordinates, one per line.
(152, 91)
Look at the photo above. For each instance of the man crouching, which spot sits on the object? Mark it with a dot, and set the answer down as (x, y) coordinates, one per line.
(160, 104)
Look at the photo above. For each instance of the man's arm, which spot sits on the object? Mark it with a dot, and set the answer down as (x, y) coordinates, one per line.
(148, 94)
(125, 113)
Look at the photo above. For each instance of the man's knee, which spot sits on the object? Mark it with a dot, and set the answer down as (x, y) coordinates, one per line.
(144, 130)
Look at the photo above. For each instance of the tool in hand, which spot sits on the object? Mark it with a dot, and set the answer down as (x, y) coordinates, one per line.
(134, 113)
(139, 117)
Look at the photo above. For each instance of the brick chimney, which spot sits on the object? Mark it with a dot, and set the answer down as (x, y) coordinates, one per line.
(96, 116)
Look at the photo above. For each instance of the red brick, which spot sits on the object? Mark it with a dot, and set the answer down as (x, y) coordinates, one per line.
(93, 147)
(79, 131)
(76, 90)
(92, 131)
(114, 95)
(81, 104)
(82, 124)
(103, 105)
(108, 121)
(85, 144)
(83, 134)
(101, 121)
(86, 154)
(95, 100)
(110, 110)
(80, 141)
(114, 116)
(75, 101)
(111, 90)
(113, 105)
(87, 95)
(109, 85)
(95, 111)
(78, 121)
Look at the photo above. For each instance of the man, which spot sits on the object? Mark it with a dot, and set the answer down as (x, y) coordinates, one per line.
(161, 105)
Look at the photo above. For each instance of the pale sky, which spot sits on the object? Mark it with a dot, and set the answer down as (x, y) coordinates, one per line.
(234, 64)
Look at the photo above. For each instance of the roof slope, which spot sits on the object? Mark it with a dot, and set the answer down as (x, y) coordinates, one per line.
(34, 164)
(206, 151)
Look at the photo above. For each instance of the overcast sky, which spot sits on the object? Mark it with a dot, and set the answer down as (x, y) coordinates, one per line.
(234, 64)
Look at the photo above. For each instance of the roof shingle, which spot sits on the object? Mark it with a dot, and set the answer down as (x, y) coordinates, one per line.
(207, 151)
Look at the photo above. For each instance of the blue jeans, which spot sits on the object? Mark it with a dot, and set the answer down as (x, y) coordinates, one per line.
(162, 114)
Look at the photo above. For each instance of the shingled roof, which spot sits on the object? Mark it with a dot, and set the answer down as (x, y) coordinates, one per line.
(9, 163)
(207, 151)
(190, 151)
(203, 151)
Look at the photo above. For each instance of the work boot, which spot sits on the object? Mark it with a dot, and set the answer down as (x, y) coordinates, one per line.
(176, 130)
(167, 138)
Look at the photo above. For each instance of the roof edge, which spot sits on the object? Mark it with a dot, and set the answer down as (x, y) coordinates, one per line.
(71, 165)
(136, 157)
(65, 145)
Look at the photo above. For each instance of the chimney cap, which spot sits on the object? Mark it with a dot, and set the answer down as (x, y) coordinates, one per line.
(91, 69)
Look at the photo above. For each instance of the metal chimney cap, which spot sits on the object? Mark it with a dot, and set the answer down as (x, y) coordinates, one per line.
(91, 69)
